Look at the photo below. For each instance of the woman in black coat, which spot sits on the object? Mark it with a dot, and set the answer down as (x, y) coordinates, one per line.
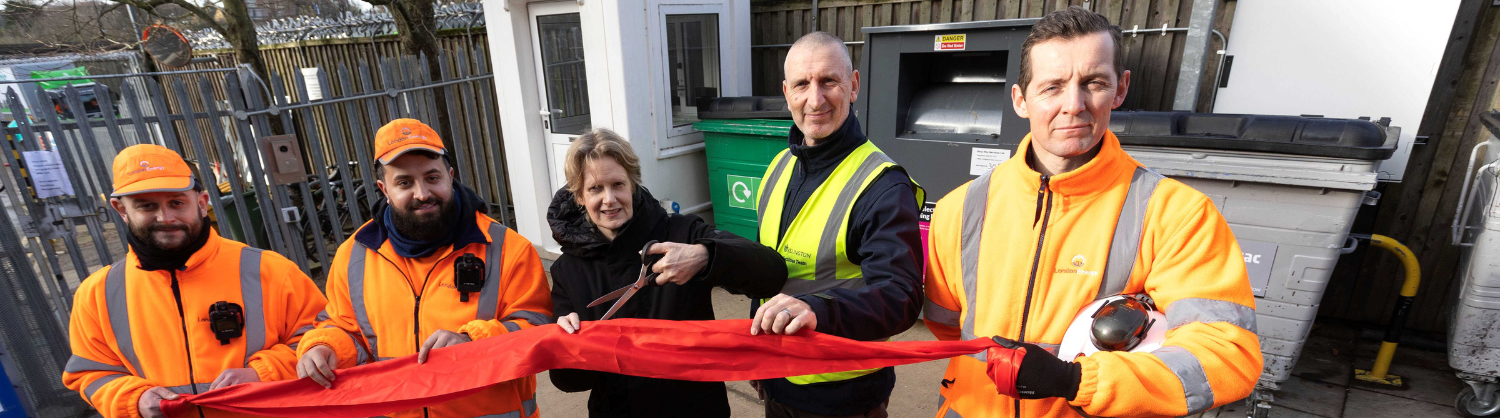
(602, 223)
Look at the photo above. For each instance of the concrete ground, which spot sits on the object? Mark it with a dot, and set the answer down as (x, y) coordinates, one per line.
(1320, 387)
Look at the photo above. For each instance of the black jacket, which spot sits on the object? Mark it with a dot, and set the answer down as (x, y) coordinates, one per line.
(592, 266)
(885, 241)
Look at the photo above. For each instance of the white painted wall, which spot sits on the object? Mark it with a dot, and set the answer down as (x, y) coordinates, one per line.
(624, 44)
(1339, 58)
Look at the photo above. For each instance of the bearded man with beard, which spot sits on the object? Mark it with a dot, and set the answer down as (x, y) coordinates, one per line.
(430, 270)
(153, 325)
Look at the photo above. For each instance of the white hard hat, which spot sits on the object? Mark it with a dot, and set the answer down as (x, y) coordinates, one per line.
(1117, 323)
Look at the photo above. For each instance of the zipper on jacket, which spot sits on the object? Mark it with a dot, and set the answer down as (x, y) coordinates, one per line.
(186, 344)
(1044, 212)
(416, 310)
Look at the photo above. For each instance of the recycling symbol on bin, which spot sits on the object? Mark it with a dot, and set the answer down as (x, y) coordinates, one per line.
(742, 191)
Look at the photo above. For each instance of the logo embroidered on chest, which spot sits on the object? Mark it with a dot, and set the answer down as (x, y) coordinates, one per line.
(1077, 262)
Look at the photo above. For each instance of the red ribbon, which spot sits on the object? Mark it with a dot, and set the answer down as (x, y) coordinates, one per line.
(686, 350)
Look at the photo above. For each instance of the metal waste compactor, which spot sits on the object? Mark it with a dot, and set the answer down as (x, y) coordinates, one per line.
(1474, 325)
(936, 99)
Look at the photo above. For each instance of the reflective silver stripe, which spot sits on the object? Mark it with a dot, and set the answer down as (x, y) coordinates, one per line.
(511, 414)
(529, 406)
(323, 316)
(494, 257)
(826, 266)
(770, 187)
(797, 287)
(78, 364)
(1208, 311)
(511, 326)
(533, 317)
(939, 314)
(976, 201)
(942, 400)
(952, 414)
(303, 330)
(254, 302)
(357, 296)
(186, 389)
(88, 391)
(293, 346)
(118, 305)
(1125, 244)
(1200, 396)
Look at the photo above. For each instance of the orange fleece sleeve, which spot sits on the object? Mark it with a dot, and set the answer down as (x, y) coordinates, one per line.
(525, 300)
(943, 311)
(1196, 273)
(336, 325)
(95, 370)
(291, 314)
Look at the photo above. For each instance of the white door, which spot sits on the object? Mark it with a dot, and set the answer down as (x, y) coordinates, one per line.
(557, 35)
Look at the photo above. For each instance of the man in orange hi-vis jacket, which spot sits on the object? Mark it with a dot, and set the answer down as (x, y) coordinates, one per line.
(186, 310)
(1016, 254)
(430, 270)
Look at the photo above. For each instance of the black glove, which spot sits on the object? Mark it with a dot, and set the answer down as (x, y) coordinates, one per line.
(1041, 374)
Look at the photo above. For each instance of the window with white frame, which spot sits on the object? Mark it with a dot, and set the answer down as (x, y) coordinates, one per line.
(692, 63)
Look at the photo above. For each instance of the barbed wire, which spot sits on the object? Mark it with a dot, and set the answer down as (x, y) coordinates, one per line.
(348, 25)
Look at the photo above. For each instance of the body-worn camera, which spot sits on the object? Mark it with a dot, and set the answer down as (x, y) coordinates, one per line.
(227, 320)
(468, 275)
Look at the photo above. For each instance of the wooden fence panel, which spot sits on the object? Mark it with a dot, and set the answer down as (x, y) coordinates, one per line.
(1419, 211)
(1153, 59)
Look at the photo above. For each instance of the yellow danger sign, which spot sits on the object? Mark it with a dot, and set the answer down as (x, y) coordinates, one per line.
(954, 42)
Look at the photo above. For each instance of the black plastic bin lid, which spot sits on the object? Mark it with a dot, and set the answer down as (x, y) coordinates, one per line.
(748, 107)
(1295, 135)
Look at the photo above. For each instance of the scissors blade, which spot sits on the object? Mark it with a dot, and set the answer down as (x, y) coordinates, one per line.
(610, 296)
(629, 291)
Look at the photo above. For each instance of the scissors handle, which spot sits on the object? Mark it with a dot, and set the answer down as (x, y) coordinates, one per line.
(648, 260)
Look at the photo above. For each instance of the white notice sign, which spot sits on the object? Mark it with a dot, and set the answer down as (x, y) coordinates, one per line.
(982, 160)
(47, 173)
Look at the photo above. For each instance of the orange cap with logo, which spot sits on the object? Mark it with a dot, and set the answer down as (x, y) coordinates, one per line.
(402, 135)
(148, 168)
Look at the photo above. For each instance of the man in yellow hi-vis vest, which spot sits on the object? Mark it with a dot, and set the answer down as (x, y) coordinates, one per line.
(844, 217)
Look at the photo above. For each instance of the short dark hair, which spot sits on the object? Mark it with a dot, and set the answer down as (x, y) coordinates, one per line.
(380, 168)
(1067, 24)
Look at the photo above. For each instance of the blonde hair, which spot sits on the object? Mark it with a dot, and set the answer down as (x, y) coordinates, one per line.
(599, 143)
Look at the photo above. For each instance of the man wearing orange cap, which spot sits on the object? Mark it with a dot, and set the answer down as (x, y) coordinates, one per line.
(430, 270)
(186, 311)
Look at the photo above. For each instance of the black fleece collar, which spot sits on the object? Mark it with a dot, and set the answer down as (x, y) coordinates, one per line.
(832, 150)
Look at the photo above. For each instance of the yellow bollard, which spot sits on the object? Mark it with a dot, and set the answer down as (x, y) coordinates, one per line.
(1380, 373)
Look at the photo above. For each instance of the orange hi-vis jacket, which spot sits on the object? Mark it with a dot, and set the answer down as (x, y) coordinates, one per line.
(383, 306)
(1017, 255)
(127, 334)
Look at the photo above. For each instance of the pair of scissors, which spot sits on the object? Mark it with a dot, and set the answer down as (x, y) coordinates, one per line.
(647, 278)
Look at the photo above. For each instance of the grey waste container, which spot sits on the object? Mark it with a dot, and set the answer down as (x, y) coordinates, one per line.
(1473, 340)
(1289, 188)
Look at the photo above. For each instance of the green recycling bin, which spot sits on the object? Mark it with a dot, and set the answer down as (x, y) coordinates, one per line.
(739, 150)
(232, 220)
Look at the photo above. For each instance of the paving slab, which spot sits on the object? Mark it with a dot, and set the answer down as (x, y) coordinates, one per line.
(1311, 396)
(1366, 404)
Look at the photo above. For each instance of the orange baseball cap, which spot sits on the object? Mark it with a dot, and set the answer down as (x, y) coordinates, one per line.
(402, 135)
(148, 168)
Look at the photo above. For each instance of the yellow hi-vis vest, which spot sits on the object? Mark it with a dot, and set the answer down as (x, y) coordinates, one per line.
(814, 247)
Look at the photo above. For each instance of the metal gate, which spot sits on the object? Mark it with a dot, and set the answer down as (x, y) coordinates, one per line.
(58, 175)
